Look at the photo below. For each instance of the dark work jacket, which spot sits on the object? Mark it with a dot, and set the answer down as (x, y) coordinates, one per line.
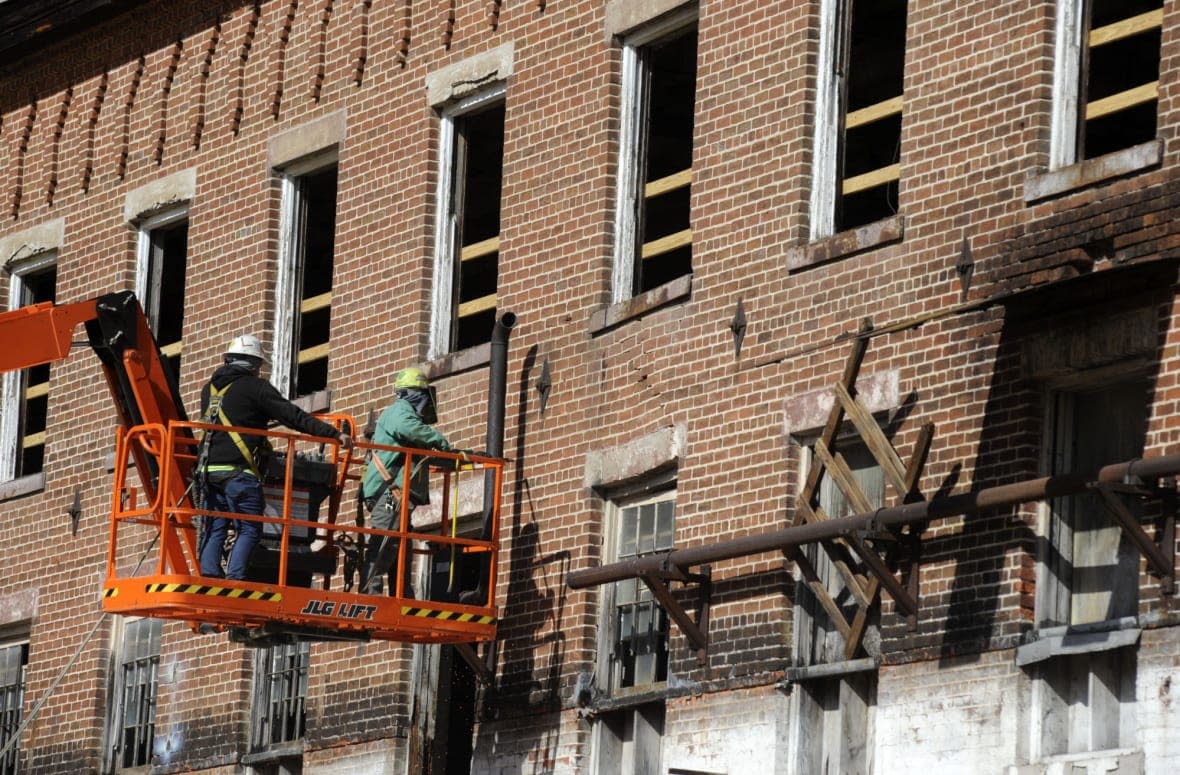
(253, 402)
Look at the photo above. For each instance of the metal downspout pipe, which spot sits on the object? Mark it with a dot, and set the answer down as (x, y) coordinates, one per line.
(497, 388)
(967, 503)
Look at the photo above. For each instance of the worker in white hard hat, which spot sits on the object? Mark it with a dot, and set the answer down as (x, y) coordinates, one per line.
(234, 462)
(404, 423)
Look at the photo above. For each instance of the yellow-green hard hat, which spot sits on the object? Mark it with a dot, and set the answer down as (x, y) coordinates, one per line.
(411, 378)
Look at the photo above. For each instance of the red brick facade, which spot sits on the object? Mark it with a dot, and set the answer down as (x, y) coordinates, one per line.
(166, 87)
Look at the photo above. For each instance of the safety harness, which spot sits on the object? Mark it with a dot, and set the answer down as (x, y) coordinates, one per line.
(214, 411)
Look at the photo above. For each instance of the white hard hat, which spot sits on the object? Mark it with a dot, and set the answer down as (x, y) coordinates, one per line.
(246, 344)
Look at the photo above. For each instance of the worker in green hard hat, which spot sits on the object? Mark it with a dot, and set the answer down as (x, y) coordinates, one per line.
(405, 423)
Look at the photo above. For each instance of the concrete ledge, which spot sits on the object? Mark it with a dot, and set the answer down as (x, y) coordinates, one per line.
(299, 142)
(628, 462)
(17, 607)
(805, 414)
(458, 362)
(25, 485)
(1079, 639)
(35, 240)
(623, 16)
(468, 76)
(605, 318)
(846, 243)
(1091, 171)
(176, 188)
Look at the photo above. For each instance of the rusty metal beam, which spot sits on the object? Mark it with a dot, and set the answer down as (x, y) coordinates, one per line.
(955, 505)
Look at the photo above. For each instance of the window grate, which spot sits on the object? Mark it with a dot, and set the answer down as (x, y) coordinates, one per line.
(14, 661)
(139, 678)
(281, 704)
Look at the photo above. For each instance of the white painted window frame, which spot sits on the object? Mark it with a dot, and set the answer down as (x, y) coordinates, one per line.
(1067, 64)
(633, 121)
(10, 386)
(827, 122)
(145, 258)
(288, 284)
(446, 227)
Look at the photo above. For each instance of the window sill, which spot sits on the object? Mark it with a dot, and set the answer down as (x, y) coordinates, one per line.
(831, 670)
(459, 362)
(319, 401)
(1087, 173)
(25, 485)
(1111, 760)
(633, 697)
(292, 750)
(846, 243)
(606, 318)
(1079, 639)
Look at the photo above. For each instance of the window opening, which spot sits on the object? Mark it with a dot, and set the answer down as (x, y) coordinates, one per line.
(834, 712)
(628, 742)
(833, 723)
(858, 134)
(468, 250)
(655, 229)
(1122, 76)
(817, 638)
(26, 392)
(163, 265)
(1089, 573)
(1092, 566)
(304, 291)
(639, 624)
(1087, 701)
(137, 677)
(1106, 79)
(280, 694)
(14, 663)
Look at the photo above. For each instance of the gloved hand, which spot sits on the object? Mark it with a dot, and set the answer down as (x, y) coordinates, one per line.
(345, 441)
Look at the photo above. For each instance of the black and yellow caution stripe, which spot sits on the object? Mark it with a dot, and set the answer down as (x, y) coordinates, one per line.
(452, 616)
(203, 589)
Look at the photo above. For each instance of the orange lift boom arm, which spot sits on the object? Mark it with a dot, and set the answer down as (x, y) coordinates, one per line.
(142, 387)
(154, 435)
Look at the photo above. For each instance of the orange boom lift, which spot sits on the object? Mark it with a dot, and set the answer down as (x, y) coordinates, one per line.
(294, 590)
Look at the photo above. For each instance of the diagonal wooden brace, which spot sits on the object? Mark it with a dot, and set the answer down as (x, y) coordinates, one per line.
(1161, 560)
(696, 635)
(467, 651)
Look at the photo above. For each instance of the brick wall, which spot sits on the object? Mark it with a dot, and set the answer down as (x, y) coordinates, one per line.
(173, 86)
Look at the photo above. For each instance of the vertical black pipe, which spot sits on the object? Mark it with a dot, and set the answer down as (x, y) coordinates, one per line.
(497, 386)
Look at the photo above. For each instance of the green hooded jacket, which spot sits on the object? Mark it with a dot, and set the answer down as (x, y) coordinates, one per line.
(400, 426)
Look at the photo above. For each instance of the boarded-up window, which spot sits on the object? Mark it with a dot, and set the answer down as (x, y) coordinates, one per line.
(654, 231)
(857, 165)
(1106, 79)
(467, 253)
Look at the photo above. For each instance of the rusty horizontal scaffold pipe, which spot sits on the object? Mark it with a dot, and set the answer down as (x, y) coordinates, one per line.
(954, 505)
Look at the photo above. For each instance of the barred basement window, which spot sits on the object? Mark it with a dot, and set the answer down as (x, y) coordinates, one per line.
(859, 114)
(467, 229)
(654, 233)
(134, 694)
(26, 393)
(162, 263)
(280, 695)
(304, 288)
(14, 662)
(1106, 77)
